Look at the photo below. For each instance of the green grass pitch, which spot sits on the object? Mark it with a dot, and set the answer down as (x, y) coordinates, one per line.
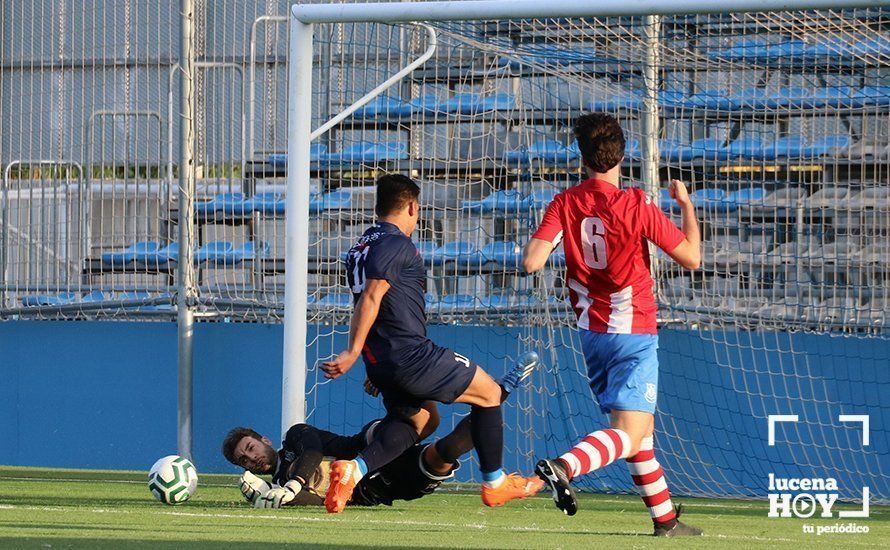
(42, 508)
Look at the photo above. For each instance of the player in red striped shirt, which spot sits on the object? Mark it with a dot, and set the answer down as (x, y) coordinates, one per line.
(605, 231)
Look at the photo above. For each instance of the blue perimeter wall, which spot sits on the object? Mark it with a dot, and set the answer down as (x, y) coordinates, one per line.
(102, 395)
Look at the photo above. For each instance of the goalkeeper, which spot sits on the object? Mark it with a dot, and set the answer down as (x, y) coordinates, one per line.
(301, 469)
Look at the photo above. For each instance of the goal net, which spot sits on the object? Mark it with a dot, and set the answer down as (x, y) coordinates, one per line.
(778, 122)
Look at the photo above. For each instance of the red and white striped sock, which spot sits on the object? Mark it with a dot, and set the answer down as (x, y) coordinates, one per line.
(648, 476)
(598, 449)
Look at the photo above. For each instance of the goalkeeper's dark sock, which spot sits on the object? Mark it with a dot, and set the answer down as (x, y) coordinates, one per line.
(595, 451)
(392, 437)
(487, 429)
(649, 479)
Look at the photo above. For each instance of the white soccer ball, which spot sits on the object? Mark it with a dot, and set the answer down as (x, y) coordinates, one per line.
(173, 479)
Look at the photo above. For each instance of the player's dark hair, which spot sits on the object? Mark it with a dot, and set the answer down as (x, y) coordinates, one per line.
(232, 438)
(601, 141)
(394, 191)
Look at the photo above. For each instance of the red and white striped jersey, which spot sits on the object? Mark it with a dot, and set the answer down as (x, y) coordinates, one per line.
(605, 232)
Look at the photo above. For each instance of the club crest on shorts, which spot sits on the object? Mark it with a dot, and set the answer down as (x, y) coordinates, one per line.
(651, 393)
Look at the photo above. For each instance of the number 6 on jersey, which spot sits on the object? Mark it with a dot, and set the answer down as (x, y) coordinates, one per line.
(593, 242)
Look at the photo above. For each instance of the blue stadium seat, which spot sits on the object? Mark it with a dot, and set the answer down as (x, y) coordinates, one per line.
(461, 252)
(338, 300)
(430, 301)
(498, 301)
(265, 203)
(503, 253)
(49, 299)
(665, 202)
(426, 249)
(869, 96)
(335, 200)
(835, 97)
(747, 197)
(624, 101)
(785, 147)
(826, 146)
(707, 148)
(853, 49)
(749, 99)
(138, 295)
(317, 152)
(366, 152)
(632, 149)
(539, 199)
(791, 50)
(714, 99)
(384, 107)
(670, 100)
(708, 198)
(749, 49)
(796, 97)
(746, 147)
(457, 302)
(547, 151)
(216, 252)
(225, 203)
(508, 201)
(472, 104)
(759, 50)
(134, 253)
(163, 257)
(670, 150)
(251, 250)
(424, 105)
(95, 296)
(550, 54)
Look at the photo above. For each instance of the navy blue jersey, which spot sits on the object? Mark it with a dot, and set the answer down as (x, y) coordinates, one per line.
(384, 252)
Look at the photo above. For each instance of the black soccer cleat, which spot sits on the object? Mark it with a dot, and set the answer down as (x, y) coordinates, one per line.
(554, 474)
(678, 529)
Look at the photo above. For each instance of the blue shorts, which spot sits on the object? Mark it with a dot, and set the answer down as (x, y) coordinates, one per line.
(433, 374)
(623, 370)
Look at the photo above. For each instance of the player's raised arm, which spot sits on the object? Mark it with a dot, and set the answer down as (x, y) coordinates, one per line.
(683, 245)
(688, 252)
(545, 239)
(363, 318)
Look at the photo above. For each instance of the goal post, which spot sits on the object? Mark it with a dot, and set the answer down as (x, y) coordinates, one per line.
(714, 308)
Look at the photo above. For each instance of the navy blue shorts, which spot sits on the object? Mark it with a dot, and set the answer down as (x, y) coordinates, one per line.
(438, 374)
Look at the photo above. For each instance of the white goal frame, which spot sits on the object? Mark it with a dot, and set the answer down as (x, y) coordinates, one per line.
(299, 111)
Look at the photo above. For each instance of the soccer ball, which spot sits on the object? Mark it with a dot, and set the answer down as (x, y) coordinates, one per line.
(172, 479)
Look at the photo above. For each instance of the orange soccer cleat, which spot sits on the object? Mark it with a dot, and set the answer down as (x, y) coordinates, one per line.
(514, 486)
(343, 481)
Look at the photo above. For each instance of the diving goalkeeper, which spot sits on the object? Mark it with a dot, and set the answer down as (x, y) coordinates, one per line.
(301, 469)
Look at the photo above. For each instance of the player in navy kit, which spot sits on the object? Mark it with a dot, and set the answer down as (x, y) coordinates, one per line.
(388, 329)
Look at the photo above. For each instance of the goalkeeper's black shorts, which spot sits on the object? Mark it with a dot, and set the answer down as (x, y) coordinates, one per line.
(402, 479)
